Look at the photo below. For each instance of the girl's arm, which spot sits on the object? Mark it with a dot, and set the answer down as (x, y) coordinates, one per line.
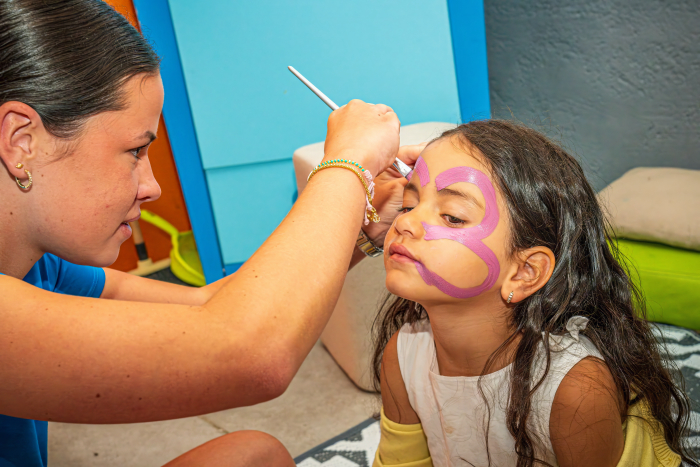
(402, 443)
(83, 360)
(585, 424)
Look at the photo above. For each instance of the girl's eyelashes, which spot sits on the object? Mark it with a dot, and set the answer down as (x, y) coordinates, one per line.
(452, 220)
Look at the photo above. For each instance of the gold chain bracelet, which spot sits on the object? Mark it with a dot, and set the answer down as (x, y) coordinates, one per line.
(355, 168)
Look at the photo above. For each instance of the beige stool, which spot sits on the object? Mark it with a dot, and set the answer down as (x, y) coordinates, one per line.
(348, 334)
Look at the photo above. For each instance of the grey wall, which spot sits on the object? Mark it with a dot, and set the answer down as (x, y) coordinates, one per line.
(618, 81)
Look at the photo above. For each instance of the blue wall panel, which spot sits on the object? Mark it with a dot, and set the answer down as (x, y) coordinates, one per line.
(246, 105)
(248, 109)
(469, 46)
(154, 16)
(239, 114)
(249, 202)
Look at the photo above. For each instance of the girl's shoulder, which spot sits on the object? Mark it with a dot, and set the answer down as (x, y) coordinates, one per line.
(587, 407)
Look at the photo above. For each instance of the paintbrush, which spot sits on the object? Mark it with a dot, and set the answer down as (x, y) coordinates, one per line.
(398, 164)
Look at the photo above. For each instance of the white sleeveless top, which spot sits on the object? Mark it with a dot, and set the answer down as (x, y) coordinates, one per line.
(452, 411)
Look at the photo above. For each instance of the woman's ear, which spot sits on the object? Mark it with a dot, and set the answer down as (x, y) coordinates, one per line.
(530, 272)
(20, 130)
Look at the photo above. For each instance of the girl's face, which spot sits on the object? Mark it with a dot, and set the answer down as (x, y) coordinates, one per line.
(85, 191)
(449, 244)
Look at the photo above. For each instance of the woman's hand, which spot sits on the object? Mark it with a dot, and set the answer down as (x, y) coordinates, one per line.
(365, 133)
(388, 194)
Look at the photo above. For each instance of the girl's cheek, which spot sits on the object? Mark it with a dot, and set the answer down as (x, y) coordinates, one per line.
(455, 263)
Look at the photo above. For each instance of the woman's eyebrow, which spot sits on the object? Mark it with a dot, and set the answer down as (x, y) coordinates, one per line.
(148, 134)
(466, 196)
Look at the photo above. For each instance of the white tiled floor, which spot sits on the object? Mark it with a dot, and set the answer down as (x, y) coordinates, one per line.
(320, 403)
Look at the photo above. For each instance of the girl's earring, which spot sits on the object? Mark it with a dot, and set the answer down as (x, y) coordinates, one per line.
(510, 297)
(19, 165)
(29, 176)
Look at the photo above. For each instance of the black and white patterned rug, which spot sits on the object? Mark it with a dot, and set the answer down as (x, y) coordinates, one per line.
(357, 446)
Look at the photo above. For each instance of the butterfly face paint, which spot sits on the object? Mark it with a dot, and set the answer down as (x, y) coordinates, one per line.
(421, 169)
(470, 237)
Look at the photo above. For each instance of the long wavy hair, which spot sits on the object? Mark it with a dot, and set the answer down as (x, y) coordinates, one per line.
(550, 203)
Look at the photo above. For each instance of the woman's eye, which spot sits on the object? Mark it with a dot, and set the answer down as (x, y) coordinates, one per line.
(404, 210)
(453, 220)
(135, 152)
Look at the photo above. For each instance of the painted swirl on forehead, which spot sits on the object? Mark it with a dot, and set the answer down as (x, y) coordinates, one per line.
(421, 168)
(470, 237)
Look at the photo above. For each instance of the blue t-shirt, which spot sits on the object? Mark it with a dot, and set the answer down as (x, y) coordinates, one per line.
(24, 442)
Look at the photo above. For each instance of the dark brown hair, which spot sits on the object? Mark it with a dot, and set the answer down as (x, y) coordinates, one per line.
(550, 203)
(68, 59)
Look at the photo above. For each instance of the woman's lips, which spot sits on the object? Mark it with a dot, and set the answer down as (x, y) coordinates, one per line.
(133, 219)
(400, 254)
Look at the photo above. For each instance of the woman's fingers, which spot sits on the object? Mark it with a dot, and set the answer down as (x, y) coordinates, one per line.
(365, 133)
(410, 153)
(382, 109)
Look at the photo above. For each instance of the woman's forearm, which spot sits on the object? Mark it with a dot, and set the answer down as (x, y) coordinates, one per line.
(293, 281)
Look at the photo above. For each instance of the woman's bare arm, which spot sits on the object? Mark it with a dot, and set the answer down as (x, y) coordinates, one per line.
(77, 359)
(388, 199)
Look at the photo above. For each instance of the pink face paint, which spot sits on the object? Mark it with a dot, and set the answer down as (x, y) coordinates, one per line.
(421, 168)
(470, 237)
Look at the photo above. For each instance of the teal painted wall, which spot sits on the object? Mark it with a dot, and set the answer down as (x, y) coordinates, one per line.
(250, 113)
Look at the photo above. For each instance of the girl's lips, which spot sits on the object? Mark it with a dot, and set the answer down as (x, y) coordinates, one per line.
(400, 254)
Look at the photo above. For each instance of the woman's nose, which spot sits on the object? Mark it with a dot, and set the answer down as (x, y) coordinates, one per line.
(149, 190)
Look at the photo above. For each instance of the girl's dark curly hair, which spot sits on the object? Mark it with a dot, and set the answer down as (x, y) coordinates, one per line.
(550, 203)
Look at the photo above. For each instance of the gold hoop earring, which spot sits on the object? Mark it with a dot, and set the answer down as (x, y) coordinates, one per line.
(510, 297)
(29, 176)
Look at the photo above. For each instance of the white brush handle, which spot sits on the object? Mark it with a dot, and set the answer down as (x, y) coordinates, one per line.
(399, 165)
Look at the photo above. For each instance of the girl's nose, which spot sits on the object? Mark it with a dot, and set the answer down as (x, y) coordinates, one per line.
(409, 224)
(149, 190)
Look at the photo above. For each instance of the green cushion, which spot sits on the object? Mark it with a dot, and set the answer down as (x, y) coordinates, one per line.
(669, 278)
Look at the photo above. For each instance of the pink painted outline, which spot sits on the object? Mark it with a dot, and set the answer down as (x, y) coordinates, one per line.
(421, 168)
(470, 237)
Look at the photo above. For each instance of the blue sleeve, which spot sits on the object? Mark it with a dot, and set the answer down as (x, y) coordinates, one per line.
(71, 279)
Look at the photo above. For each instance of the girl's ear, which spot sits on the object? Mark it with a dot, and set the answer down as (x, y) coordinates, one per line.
(529, 273)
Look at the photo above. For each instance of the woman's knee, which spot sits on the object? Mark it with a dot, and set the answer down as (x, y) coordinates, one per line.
(238, 449)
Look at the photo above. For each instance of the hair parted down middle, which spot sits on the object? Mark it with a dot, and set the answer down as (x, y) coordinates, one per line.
(550, 203)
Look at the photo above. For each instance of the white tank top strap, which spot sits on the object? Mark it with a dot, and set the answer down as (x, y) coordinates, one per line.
(415, 347)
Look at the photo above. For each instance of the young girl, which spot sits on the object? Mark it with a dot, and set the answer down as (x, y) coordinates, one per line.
(516, 337)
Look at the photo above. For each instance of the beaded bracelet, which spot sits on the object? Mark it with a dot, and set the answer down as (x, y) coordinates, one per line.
(364, 176)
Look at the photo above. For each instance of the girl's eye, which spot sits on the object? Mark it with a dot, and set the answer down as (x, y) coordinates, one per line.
(404, 210)
(452, 220)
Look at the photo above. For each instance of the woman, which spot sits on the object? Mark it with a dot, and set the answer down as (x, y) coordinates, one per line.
(80, 100)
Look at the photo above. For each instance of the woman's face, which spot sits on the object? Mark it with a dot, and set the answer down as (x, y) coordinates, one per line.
(449, 243)
(86, 191)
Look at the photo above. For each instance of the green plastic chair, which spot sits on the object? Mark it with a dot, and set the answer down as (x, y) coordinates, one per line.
(184, 259)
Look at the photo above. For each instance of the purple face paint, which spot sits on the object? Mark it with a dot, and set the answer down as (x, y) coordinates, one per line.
(421, 168)
(470, 237)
